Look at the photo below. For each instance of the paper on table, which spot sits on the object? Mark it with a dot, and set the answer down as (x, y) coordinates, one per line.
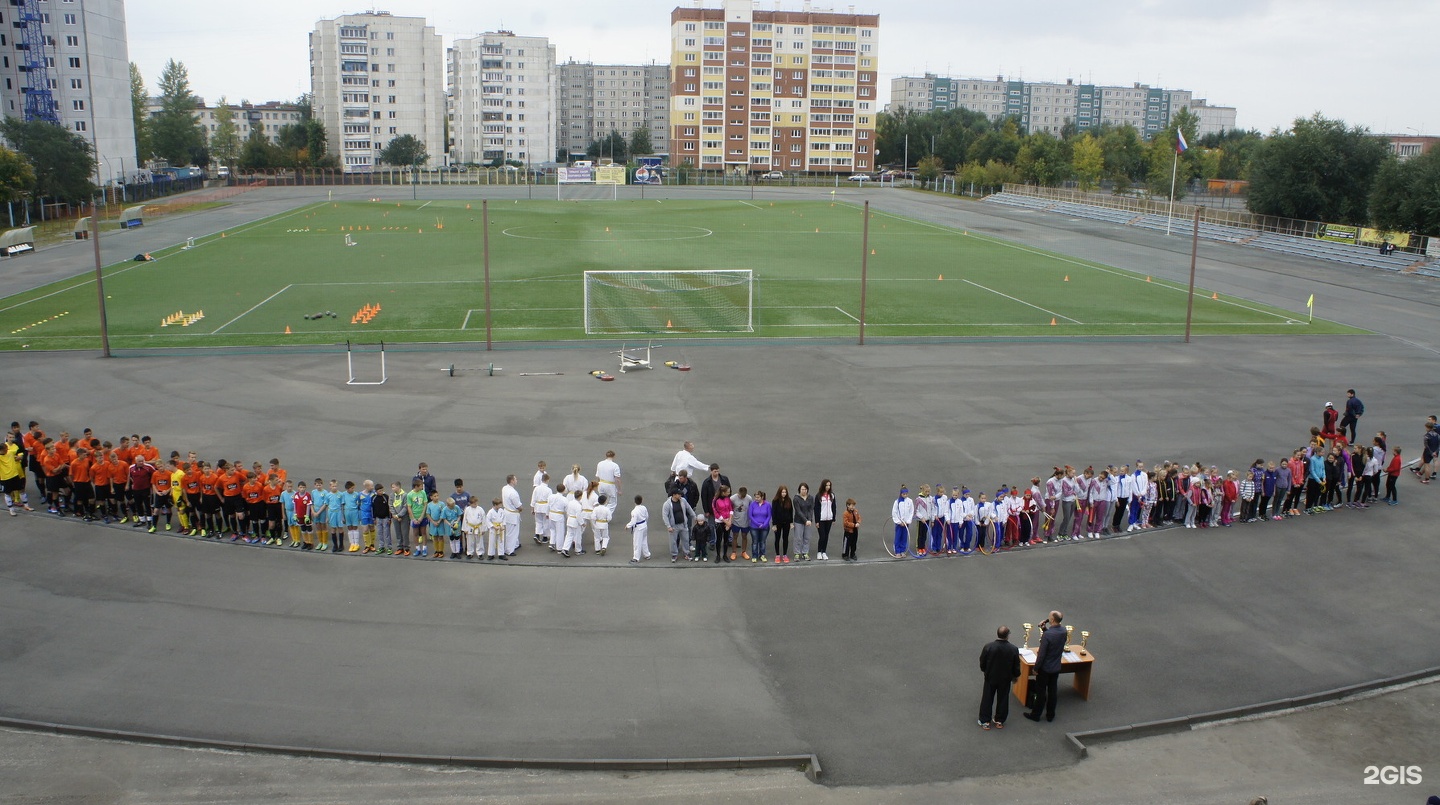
(1028, 654)
(1070, 656)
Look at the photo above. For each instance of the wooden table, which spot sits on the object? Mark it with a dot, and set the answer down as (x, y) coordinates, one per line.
(1074, 662)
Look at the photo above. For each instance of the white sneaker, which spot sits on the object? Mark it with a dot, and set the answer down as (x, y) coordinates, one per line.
(821, 556)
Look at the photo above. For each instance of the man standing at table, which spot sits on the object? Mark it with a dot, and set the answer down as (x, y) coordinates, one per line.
(1000, 663)
(1047, 667)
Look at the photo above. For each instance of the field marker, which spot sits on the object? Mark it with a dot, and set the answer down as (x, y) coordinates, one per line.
(1021, 301)
(748, 204)
(422, 206)
(246, 313)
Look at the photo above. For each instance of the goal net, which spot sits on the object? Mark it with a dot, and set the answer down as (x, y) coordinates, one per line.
(585, 191)
(714, 301)
(586, 183)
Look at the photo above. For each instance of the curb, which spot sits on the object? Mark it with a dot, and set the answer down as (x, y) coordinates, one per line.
(1079, 741)
(808, 762)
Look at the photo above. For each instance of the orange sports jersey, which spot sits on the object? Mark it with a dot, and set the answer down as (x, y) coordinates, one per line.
(192, 481)
(272, 492)
(62, 449)
(80, 470)
(279, 472)
(32, 440)
(254, 492)
(119, 471)
(150, 453)
(209, 482)
(125, 453)
(99, 472)
(52, 463)
(232, 484)
(160, 482)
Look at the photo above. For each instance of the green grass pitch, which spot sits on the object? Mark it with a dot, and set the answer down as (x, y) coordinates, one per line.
(420, 262)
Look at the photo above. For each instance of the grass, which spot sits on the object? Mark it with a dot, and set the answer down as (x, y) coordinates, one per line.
(420, 262)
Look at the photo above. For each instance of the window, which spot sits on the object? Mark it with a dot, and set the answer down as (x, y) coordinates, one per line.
(76, 83)
(70, 20)
(79, 106)
(79, 125)
(72, 41)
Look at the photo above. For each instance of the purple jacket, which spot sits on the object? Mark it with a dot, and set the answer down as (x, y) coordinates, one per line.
(760, 514)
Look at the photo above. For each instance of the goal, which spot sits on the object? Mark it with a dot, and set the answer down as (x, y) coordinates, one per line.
(586, 183)
(709, 301)
(585, 191)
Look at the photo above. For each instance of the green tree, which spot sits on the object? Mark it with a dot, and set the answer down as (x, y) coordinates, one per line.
(929, 168)
(177, 135)
(1042, 160)
(17, 178)
(1088, 159)
(1236, 148)
(1320, 170)
(258, 154)
(1406, 195)
(225, 142)
(139, 110)
(640, 142)
(1165, 164)
(63, 162)
(612, 146)
(407, 149)
(1124, 152)
(1000, 144)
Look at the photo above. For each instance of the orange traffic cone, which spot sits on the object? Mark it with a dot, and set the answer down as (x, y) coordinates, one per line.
(1147, 279)
(1214, 296)
(941, 277)
(667, 323)
(287, 329)
(872, 252)
(1052, 321)
(1067, 277)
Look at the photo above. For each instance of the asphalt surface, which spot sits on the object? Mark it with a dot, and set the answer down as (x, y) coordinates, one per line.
(872, 666)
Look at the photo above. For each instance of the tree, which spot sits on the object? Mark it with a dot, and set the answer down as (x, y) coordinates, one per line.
(640, 142)
(1236, 148)
(1167, 167)
(929, 168)
(1000, 145)
(1124, 156)
(404, 150)
(1042, 161)
(1088, 160)
(612, 146)
(225, 142)
(258, 154)
(63, 162)
(139, 110)
(1406, 195)
(17, 178)
(1320, 170)
(177, 135)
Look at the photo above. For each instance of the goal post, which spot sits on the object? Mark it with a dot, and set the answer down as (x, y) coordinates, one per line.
(702, 301)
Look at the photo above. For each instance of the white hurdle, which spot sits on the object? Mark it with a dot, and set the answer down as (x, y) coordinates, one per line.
(350, 366)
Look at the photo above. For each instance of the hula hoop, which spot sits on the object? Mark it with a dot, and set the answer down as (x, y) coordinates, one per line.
(985, 540)
(890, 543)
(962, 546)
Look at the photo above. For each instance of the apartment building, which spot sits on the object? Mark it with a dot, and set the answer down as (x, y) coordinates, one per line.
(755, 91)
(502, 99)
(596, 99)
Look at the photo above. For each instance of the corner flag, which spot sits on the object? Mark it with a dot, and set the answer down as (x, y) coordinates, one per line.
(1180, 145)
(1310, 303)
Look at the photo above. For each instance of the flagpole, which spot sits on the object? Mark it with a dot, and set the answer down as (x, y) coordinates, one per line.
(1174, 170)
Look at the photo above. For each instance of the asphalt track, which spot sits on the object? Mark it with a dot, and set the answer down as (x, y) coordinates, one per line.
(872, 666)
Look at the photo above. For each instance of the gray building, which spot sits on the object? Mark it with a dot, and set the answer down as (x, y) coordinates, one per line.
(596, 99)
(502, 99)
(72, 56)
(375, 77)
(1048, 106)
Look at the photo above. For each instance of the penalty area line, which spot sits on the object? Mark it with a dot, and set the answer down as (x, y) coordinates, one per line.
(251, 310)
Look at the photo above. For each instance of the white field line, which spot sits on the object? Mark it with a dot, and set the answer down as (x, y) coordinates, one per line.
(118, 272)
(748, 204)
(251, 310)
(1022, 301)
(1122, 275)
(422, 206)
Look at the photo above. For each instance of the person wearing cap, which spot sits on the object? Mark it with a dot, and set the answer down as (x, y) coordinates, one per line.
(1328, 418)
(902, 513)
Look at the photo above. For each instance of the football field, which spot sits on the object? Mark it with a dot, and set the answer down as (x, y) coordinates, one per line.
(414, 272)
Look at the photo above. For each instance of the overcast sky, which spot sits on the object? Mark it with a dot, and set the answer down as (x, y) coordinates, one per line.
(1373, 64)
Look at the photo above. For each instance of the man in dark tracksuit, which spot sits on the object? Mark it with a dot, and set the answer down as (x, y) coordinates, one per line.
(1000, 662)
(1047, 667)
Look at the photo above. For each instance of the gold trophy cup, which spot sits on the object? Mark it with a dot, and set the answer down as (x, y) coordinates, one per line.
(1084, 638)
(1028, 628)
(1069, 632)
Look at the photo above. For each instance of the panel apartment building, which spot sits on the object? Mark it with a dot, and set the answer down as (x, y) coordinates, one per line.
(756, 91)
(1048, 106)
(596, 99)
(502, 99)
(77, 51)
(375, 77)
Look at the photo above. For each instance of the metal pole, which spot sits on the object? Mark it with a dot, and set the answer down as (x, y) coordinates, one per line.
(864, 266)
(99, 282)
(1190, 297)
(485, 239)
(1170, 215)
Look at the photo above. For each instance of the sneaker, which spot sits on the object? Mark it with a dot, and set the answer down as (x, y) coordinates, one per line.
(634, 561)
(14, 513)
(753, 560)
(167, 526)
(672, 559)
(763, 560)
(821, 556)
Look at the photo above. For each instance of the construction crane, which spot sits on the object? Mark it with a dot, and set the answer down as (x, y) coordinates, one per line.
(39, 100)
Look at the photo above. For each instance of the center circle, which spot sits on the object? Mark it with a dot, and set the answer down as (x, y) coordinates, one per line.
(627, 234)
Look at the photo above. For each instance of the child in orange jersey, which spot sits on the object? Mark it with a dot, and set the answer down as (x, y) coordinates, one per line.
(253, 491)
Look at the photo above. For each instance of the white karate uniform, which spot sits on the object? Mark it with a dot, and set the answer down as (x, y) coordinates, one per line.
(574, 524)
(602, 516)
(496, 528)
(540, 505)
(607, 472)
(639, 516)
(558, 504)
(474, 524)
(573, 483)
(511, 503)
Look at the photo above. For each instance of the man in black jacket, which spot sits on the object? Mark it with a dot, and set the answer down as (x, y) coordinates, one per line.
(1047, 667)
(710, 489)
(1000, 663)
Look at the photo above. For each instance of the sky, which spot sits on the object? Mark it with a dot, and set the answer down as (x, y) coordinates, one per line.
(1373, 64)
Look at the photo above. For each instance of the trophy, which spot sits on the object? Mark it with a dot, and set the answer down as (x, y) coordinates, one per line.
(1069, 632)
(1028, 628)
(1084, 638)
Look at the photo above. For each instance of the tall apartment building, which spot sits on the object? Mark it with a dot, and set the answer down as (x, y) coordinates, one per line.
(596, 99)
(1048, 106)
(502, 99)
(83, 48)
(754, 90)
(375, 77)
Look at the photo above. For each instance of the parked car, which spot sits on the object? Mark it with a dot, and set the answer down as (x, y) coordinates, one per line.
(773, 175)
(860, 177)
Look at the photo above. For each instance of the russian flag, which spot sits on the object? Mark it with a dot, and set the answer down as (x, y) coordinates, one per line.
(1180, 145)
